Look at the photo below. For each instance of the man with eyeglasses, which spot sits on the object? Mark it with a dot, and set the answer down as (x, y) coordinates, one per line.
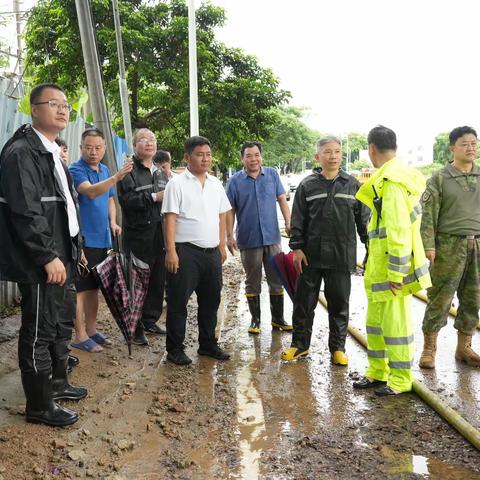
(451, 238)
(141, 201)
(39, 247)
(95, 187)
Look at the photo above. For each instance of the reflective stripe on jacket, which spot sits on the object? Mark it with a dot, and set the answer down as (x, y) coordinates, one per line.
(324, 220)
(396, 251)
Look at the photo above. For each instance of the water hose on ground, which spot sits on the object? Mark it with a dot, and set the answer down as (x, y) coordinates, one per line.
(468, 431)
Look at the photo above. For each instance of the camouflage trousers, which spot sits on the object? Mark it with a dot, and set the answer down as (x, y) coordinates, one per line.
(456, 269)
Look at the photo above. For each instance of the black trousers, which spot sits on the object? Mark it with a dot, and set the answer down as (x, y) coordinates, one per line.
(47, 322)
(199, 272)
(153, 306)
(337, 293)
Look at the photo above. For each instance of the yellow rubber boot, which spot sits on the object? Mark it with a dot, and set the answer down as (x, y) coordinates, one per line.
(339, 358)
(254, 307)
(293, 353)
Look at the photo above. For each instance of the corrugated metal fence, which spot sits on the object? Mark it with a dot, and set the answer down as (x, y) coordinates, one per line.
(10, 120)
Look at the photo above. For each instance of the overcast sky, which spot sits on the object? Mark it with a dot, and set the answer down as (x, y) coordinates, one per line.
(409, 64)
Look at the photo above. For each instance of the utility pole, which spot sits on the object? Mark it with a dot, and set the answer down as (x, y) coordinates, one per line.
(95, 87)
(127, 125)
(18, 22)
(94, 80)
(192, 68)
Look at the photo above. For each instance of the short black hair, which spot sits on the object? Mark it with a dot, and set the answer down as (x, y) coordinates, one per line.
(61, 142)
(36, 92)
(250, 145)
(196, 141)
(92, 132)
(458, 132)
(383, 138)
(162, 156)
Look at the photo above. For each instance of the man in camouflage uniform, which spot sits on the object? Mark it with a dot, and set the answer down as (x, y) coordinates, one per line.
(451, 237)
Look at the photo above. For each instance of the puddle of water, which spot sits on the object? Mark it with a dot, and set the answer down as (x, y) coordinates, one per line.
(425, 467)
(251, 422)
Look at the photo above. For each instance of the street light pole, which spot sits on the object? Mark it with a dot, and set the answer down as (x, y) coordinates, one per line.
(95, 87)
(192, 68)
(127, 126)
(94, 80)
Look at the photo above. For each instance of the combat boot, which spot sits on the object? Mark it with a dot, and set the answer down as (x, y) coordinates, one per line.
(40, 406)
(254, 307)
(464, 351)
(276, 308)
(427, 359)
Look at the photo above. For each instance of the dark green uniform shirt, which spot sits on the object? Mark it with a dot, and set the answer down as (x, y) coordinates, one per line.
(451, 204)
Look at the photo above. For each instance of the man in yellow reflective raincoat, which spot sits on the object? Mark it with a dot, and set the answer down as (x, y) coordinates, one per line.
(396, 266)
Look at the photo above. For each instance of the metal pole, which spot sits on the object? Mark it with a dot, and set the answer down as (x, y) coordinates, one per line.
(18, 21)
(95, 88)
(94, 80)
(348, 156)
(192, 64)
(127, 126)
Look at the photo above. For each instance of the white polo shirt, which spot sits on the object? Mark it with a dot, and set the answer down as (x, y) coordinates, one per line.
(198, 208)
(54, 149)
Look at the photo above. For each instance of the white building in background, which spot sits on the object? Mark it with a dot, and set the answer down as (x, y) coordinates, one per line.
(415, 154)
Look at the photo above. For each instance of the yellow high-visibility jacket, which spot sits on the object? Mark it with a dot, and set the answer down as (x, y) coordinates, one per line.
(396, 251)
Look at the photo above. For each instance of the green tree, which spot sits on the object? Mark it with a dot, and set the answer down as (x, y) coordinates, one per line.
(289, 140)
(354, 143)
(441, 152)
(359, 164)
(236, 95)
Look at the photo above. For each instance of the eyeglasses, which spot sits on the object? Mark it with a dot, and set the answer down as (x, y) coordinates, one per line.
(146, 140)
(55, 104)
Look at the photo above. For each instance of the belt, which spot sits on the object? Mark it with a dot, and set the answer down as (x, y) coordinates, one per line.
(196, 247)
(467, 237)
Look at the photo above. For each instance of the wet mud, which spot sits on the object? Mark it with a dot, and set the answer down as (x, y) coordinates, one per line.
(251, 417)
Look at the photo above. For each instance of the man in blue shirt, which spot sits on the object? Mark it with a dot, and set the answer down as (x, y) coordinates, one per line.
(94, 185)
(253, 194)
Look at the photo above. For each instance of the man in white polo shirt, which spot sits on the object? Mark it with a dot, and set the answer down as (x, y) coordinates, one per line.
(195, 207)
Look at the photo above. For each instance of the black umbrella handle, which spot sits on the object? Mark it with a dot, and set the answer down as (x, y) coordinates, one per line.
(117, 243)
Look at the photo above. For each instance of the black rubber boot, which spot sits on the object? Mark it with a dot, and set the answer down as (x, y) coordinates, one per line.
(276, 308)
(73, 361)
(139, 337)
(61, 388)
(254, 307)
(40, 406)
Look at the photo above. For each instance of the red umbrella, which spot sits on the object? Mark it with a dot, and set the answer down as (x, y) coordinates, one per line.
(124, 284)
(283, 265)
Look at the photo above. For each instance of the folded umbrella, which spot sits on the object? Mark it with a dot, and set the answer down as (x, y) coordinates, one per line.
(124, 284)
(283, 265)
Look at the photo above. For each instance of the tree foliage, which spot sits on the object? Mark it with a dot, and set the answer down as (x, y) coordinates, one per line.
(353, 143)
(441, 152)
(290, 141)
(236, 95)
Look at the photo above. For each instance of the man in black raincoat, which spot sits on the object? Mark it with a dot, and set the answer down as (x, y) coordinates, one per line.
(325, 216)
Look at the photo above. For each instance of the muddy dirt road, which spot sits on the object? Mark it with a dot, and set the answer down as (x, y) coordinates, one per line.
(251, 417)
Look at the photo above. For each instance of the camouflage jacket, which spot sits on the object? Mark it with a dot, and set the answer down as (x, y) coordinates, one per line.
(450, 204)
